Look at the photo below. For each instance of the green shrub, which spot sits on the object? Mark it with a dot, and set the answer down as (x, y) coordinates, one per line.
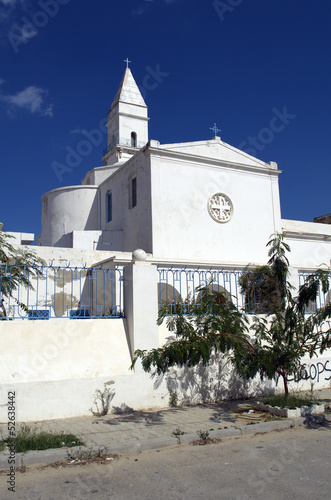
(291, 401)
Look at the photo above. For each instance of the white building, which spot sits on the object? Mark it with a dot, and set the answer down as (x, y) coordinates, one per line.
(197, 209)
(201, 201)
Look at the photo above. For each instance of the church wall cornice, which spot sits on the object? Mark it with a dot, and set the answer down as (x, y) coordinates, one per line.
(213, 162)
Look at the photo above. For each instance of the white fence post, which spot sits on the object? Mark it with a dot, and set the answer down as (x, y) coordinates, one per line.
(140, 302)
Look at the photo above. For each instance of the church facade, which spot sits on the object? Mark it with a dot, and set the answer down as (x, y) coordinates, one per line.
(202, 201)
(145, 229)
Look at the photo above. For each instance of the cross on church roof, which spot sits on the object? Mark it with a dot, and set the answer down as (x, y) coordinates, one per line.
(127, 62)
(215, 129)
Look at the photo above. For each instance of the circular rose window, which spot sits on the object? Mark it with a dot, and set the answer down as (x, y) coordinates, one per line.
(220, 207)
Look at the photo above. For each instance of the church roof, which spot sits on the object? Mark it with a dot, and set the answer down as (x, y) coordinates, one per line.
(218, 150)
(128, 91)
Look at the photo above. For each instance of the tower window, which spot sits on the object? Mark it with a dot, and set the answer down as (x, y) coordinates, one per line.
(109, 201)
(133, 192)
(133, 140)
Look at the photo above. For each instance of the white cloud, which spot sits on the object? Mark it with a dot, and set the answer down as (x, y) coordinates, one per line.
(32, 98)
(11, 3)
(8, 9)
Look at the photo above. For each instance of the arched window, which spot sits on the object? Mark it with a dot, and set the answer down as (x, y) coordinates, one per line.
(133, 140)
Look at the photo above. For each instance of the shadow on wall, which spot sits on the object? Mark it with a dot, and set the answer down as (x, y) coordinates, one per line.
(213, 382)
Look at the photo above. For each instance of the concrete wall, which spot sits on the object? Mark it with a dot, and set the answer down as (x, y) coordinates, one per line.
(310, 243)
(54, 367)
(134, 222)
(76, 256)
(65, 210)
(56, 371)
(182, 225)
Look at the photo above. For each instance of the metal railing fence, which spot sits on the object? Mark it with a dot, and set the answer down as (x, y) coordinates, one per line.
(177, 287)
(322, 298)
(46, 292)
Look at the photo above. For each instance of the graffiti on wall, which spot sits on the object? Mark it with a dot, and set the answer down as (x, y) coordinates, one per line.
(319, 371)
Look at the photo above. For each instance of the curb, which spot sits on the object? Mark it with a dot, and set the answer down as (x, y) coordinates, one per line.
(62, 454)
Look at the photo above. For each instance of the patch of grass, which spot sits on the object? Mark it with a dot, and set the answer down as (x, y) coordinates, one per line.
(292, 401)
(2, 445)
(28, 439)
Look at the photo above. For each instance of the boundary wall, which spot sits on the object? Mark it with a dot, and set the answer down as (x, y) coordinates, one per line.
(54, 367)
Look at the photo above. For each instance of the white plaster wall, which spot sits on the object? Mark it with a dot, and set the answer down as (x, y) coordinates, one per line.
(75, 256)
(21, 238)
(98, 175)
(97, 240)
(216, 149)
(317, 376)
(310, 243)
(126, 118)
(56, 354)
(309, 254)
(182, 226)
(55, 371)
(62, 349)
(65, 210)
(136, 222)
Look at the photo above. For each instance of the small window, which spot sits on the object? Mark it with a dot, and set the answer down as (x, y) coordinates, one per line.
(133, 140)
(109, 207)
(133, 192)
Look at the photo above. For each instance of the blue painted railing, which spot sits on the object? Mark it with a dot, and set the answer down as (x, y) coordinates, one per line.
(321, 300)
(60, 292)
(177, 289)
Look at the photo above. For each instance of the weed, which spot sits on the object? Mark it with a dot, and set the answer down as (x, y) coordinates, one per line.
(203, 435)
(2, 445)
(87, 454)
(28, 439)
(178, 432)
(173, 397)
(104, 398)
(291, 401)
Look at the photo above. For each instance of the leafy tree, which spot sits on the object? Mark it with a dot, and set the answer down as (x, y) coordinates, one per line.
(279, 341)
(283, 338)
(260, 289)
(215, 325)
(18, 266)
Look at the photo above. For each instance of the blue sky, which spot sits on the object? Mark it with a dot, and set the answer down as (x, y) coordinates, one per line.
(239, 63)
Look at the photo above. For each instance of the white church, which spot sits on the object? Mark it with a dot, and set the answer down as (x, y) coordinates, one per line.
(154, 219)
(202, 201)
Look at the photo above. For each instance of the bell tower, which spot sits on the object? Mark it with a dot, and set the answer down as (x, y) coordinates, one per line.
(127, 121)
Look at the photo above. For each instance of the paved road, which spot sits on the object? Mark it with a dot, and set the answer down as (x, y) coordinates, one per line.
(292, 464)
